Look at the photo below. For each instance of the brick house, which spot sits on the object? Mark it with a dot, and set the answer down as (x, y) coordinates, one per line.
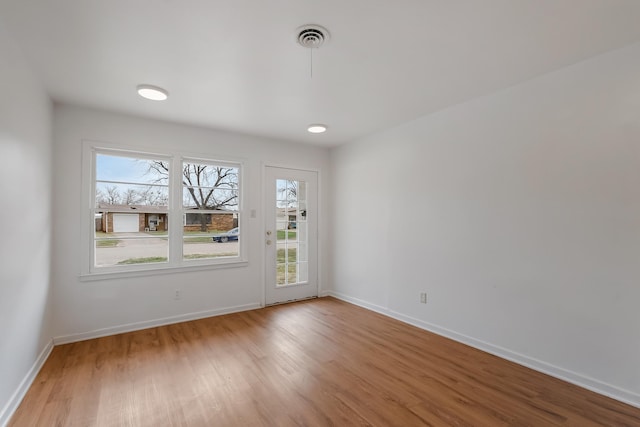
(131, 219)
(221, 220)
(126, 218)
(286, 218)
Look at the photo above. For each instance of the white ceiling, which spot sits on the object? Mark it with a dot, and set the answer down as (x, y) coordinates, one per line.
(235, 65)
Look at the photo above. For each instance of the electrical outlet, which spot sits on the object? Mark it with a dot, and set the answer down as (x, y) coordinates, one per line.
(423, 297)
(178, 294)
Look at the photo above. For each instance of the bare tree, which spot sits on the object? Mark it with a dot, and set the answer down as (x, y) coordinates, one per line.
(288, 198)
(207, 187)
(130, 197)
(152, 197)
(289, 192)
(109, 195)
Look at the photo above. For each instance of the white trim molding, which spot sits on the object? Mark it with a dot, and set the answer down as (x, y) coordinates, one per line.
(137, 326)
(13, 403)
(580, 380)
(174, 210)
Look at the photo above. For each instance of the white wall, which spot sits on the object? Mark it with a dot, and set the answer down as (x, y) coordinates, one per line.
(25, 223)
(82, 308)
(518, 213)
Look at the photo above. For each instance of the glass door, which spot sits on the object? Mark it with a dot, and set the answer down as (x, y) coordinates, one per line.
(290, 235)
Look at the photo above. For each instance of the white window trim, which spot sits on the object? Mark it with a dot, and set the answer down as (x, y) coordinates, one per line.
(176, 263)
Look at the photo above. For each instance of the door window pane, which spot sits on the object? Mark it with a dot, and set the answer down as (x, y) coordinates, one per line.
(291, 232)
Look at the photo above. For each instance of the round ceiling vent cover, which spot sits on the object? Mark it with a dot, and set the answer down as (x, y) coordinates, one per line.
(312, 36)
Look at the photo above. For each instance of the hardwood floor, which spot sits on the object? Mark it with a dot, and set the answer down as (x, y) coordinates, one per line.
(316, 363)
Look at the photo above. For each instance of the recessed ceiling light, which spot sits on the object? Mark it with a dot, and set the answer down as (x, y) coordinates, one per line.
(152, 92)
(317, 128)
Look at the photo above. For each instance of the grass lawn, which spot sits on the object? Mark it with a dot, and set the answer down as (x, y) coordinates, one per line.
(147, 260)
(200, 237)
(192, 236)
(143, 260)
(197, 239)
(291, 235)
(189, 237)
(201, 256)
(281, 255)
(110, 243)
(284, 265)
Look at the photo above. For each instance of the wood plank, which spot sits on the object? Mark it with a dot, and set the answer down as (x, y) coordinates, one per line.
(319, 362)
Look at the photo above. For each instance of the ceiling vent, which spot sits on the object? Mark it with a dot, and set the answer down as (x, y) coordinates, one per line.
(312, 36)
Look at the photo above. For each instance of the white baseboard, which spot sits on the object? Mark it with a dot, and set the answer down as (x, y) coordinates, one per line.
(580, 380)
(130, 327)
(21, 391)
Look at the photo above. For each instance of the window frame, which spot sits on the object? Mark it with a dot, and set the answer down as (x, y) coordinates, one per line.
(175, 213)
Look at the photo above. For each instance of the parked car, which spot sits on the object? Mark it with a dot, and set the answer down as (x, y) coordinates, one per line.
(227, 236)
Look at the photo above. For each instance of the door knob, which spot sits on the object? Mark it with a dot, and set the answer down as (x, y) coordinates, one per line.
(269, 233)
(269, 242)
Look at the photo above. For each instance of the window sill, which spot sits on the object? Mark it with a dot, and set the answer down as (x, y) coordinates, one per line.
(108, 275)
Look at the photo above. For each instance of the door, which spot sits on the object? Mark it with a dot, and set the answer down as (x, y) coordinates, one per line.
(125, 223)
(153, 222)
(291, 234)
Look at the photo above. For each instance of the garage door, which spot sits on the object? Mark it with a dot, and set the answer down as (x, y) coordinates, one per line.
(125, 223)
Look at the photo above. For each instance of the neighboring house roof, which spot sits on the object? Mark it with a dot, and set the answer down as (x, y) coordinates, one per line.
(216, 211)
(151, 209)
(289, 211)
(132, 208)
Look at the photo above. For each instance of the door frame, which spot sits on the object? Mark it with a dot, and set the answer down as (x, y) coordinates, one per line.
(263, 226)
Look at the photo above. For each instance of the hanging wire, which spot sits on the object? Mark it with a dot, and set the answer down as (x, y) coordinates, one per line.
(312, 37)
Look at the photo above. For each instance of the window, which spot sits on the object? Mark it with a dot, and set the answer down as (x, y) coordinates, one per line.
(158, 211)
(131, 210)
(210, 202)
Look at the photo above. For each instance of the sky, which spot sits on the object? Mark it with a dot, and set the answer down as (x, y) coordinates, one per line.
(116, 168)
(125, 172)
